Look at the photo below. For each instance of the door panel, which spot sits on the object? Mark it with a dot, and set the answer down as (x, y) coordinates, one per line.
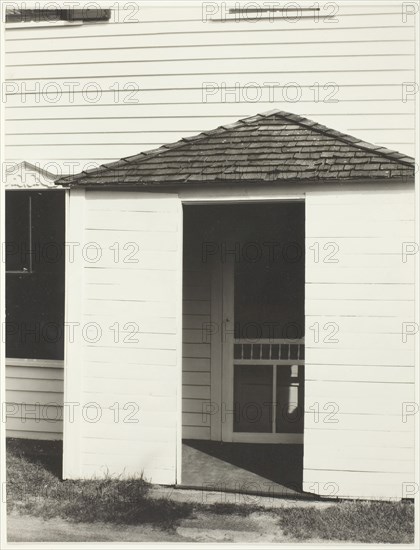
(252, 393)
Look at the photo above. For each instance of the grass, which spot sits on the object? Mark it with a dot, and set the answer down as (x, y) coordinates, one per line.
(356, 521)
(35, 488)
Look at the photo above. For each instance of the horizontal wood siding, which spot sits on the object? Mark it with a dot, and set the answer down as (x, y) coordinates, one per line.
(34, 398)
(196, 350)
(130, 367)
(359, 371)
(162, 73)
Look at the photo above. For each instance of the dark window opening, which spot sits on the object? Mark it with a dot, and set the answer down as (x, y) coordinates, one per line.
(16, 15)
(35, 258)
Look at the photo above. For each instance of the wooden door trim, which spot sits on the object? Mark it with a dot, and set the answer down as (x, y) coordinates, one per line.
(227, 327)
(216, 357)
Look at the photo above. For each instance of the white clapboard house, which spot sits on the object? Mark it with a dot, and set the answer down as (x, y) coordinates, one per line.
(252, 283)
(260, 268)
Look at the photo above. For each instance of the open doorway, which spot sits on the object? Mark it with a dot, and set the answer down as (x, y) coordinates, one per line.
(243, 346)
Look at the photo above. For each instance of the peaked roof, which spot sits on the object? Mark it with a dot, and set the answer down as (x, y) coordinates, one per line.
(270, 147)
(24, 175)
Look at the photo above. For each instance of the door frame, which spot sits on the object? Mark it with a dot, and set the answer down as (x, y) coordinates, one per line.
(227, 334)
(229, 195)
(226, 372)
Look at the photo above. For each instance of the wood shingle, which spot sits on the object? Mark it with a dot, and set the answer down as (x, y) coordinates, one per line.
(270, 147)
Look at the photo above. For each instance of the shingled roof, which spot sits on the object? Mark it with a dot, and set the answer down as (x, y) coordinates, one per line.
(270, 147)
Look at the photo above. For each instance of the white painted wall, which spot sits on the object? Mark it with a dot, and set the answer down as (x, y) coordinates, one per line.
(196, 351)
(141, 371)
(34, 393)
(362, 56)
(359, 372)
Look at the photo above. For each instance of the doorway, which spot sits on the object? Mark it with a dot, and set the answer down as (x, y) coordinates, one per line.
(243, 347)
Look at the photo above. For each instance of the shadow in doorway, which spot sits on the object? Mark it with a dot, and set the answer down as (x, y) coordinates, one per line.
(243, 467)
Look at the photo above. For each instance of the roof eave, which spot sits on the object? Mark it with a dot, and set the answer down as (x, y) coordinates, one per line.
(408, 180)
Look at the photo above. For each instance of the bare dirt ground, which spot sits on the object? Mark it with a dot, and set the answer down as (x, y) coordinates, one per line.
(204, 527)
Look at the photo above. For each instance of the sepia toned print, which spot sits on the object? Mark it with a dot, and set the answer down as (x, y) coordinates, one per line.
(210, 253)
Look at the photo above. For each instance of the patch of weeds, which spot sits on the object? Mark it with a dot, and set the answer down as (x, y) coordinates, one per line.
(357, 521)
(35, 489)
